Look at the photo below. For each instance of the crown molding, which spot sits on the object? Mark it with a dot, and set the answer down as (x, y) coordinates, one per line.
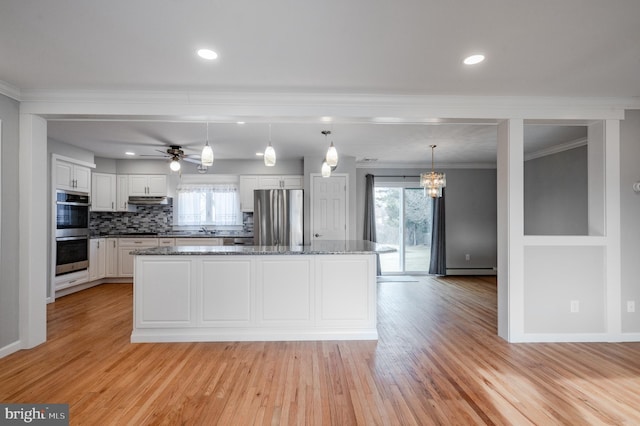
(421, 167)
(10, 90)
(375, 108)
(556, 149)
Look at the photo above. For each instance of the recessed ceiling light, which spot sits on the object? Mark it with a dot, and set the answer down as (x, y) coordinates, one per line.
(239, 122)
(326, 119)
(207, 54)
(259, 154)
(129, 153)
(473, 59)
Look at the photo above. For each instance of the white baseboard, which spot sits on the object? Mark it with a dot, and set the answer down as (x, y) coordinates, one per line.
(10, 348)
(576, 338)
(80, 287)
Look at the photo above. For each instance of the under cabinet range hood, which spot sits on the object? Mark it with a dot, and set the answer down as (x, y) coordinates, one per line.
(150, 201)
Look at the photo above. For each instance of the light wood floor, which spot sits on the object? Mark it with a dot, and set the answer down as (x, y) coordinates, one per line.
(438, 361)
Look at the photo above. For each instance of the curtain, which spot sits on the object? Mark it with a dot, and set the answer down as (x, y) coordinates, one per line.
(208, 204)
(370, 216)
(438, 261)
(369, 210)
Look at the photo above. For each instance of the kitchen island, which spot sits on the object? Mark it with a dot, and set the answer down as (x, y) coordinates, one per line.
(323, 291)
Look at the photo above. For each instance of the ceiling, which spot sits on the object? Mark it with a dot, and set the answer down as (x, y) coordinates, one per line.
(573, 48)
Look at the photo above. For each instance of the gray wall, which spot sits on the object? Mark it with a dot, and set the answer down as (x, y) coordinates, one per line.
(556, 194)
(471, 214)
(630, 218)
(9, 278)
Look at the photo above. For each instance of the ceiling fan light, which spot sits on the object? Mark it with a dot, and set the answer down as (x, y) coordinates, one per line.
(326, 170)
(206, 158)
(174, 165)
(332, 156)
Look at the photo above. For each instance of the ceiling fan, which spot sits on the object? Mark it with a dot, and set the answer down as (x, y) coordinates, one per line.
(175, 153)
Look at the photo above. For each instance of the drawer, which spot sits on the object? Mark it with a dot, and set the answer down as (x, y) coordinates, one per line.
(166, 242)
(137, 242)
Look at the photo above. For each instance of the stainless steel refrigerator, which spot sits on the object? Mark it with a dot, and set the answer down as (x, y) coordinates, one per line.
(278, 217)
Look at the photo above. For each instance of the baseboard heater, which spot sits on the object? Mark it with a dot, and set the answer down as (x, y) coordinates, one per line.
(471, 271)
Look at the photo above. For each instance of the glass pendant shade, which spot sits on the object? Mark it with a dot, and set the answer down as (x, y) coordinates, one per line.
(433, 181)
(206, 158)
(332, 156)
(326, 170)
(269, 156)
(269, 153)
(174, 165)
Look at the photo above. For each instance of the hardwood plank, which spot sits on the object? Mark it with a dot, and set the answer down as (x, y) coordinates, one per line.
(438, 361)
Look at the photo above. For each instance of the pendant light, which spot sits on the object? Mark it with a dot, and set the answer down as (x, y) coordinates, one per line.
(326, 170)
(206, 158)
(269, 153)
(332, 153)
(433, 181)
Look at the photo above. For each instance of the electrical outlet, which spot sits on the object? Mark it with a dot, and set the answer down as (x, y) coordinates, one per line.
(467, 257)
(575, 306)
(631, 306)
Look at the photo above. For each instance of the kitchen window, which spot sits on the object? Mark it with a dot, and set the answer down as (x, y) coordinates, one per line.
(208, 204)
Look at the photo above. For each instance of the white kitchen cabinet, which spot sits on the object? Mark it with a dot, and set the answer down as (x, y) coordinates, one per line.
(166, 242)
(103, 192)
(122, 193)
(149, 185)
(247, 185)
(97, 258)
(72, 176)
(111, 255)
(125, 247)
(280, 182)
(72, 279)
(250, 183)
(198, 242)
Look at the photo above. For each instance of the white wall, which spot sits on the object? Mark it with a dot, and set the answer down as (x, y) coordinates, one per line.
(9, 258)
(630, 219)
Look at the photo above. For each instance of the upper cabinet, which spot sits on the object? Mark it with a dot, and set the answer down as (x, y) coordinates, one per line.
(122, 193)
(280, 182)
(72, 176)
(103, 192)
(249, 183)
(149, 185)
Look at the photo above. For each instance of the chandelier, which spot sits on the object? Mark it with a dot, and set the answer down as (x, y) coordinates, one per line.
(433, 181)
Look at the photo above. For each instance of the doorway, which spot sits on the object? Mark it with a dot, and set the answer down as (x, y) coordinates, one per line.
(403, 221)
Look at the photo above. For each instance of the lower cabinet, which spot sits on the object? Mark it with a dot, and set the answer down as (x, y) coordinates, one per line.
(97, 258)
(125, 258)
(111, 255)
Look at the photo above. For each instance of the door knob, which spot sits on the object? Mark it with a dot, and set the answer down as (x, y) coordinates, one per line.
(317, 235)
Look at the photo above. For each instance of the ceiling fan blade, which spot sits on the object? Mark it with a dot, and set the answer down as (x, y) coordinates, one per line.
(191, 160)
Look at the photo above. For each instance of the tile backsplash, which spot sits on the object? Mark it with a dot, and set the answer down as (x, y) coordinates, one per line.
(145, 219)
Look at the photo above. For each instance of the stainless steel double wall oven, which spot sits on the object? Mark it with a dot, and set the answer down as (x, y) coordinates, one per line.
(72, 231)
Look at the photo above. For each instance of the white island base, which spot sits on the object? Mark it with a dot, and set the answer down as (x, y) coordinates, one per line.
(200, 298)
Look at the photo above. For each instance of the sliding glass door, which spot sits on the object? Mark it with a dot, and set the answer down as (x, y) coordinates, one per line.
(403, 221)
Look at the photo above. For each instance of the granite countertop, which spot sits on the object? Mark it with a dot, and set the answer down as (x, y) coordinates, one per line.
(319, 247)
(178, 234)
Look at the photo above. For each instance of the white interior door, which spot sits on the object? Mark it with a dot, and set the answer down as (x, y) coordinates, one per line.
(329, 208)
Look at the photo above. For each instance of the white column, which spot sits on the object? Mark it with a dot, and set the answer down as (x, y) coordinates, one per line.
(613, 237)
(510, 176)
(33, 230)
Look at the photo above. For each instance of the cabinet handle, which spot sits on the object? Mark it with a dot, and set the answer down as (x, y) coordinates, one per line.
(98, 244)
(72, 281)
(112, 206)
(114, 243)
